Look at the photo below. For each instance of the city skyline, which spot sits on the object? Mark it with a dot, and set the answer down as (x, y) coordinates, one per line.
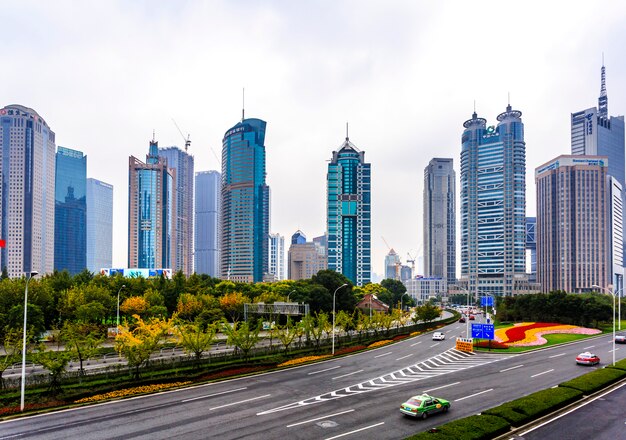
(392, 71)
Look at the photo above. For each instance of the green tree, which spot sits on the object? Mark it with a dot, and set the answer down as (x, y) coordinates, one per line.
(427, 313)
(56, 364)
(12, 347)
(196, 338)
(287, 334)
(82, 341)
(396, 289)
(242, 336)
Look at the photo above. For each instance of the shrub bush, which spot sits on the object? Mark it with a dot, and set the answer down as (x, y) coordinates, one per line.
(470, 428)
(595, 380)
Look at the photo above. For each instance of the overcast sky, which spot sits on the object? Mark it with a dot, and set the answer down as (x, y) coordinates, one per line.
(404, 74)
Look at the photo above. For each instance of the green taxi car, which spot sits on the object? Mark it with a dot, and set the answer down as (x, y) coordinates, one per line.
(424, 405)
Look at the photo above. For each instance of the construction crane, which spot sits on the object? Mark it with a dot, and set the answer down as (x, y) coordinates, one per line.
(411, 260)
(187, 140)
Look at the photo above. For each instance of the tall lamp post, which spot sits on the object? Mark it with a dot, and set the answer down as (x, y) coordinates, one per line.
(335, 293)
(289, 294)
(467, 330)
(28, 277)
(401, 298)
(117, 328)
(614, 296)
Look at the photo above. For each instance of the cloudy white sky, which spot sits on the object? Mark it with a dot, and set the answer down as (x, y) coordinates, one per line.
(404, 74)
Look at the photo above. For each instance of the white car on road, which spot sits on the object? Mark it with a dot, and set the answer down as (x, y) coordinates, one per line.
(438, 336)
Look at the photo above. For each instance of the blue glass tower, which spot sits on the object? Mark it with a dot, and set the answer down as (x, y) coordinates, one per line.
(151, 212)
(99, 225)
(349, 214)
(493, 205)
(206, 257)
(70, 210)
(245, 203)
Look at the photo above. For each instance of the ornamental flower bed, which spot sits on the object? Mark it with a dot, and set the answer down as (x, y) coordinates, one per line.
(233, 372)
(131, 392)
(528, 334)
(494, 344)
(379, 343)
(303, 360)
(415, 334)
(398, 337)
(8, 410)
(350, 349)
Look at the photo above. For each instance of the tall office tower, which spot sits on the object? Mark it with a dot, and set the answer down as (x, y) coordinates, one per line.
(493, 204)
(151, 212)
(277, 256)
(349, 214)
(531, 247)
(27, 157)
(207, 253)
(245, 203)
(70, 206)
(573, 227)
(182, 163)
(595, 133)
(392, 265)
(440, 220)
(615, 198)
(99, 225)
(405, 273)
(305, 259)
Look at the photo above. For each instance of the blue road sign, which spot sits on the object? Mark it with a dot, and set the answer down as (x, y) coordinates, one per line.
(483, 331)
(486, 301)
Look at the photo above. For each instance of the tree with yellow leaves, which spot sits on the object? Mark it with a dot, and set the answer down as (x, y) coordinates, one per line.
(232, 305)
(134, 305)
(138, 344)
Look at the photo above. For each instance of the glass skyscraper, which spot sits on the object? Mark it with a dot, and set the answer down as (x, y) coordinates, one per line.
(349, 214)
(277, 256)
(244, 249)
(70, 206)
(27, 158)
(493, 205)
(151, 212)
(99, 225)
(440, 220)
(182, 163)
(206, 258)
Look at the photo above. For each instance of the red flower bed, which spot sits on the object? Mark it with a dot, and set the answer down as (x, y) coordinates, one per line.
(518, 332)
(234, 372)
(8, 410)
(350, 349)
(398, 337)
(494, 344)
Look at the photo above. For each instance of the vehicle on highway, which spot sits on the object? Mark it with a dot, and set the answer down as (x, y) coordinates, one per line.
(424, 405)
(587, 358)
(462, 319)
(472, 318)
(438, 336)
(620, 339)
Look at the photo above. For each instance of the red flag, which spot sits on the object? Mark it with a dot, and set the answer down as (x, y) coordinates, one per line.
(3, 243)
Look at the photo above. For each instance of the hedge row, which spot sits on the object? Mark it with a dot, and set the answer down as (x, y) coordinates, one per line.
(499, 420)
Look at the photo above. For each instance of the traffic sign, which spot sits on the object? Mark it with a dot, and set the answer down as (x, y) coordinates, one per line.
(483, 331)
(486, 301)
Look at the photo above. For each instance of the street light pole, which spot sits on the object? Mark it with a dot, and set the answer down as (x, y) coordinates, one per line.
(614, 296)
(29, 276)
(401, 298)
(335, 293)
(467, 331)
(289, 294)
(117, 329)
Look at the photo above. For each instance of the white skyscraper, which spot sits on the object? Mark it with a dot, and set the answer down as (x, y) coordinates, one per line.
(277, 256)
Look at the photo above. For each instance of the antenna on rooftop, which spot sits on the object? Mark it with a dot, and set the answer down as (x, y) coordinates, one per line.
(243, 105)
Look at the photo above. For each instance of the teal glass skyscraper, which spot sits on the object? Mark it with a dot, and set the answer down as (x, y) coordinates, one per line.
(493, 205)
(70, 211)
(349, 214)
(245, 216)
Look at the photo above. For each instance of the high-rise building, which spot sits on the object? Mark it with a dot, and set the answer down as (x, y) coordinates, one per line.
(99, 236)
(27, 159)
(349, 214)
(305, 259)
(392, 265)
(207, 254)
(493, 205)
(531, 247)
(440, 220)
(277, 256)
(182, 163)
(615, 199)
(573, 223)
(151, 212)
(244, 248)
(70, 206)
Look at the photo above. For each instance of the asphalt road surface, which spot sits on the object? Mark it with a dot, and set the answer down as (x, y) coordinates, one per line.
(357, 396)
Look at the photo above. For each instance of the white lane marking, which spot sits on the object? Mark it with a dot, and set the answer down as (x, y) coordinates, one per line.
(571, 410)
(434, 345)
(349, 374)
(384, 354)
(512, 368)
(611, 351)
(445, 386)
(404, 357)
(326, 369)
(448, 331)
(214, 394)
(356, 430)
(591, 346)
(543, 372)
(319, 418)
(241, 401)
(473, 395)
(11, 436)
(557, 355)
(413, 345)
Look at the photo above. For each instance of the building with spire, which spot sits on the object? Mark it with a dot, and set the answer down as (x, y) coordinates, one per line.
(27, 174)
(493, 205)
(151, 212)
(349, 214)
(245, 209)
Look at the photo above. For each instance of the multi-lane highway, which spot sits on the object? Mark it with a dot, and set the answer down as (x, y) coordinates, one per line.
(356, 396)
